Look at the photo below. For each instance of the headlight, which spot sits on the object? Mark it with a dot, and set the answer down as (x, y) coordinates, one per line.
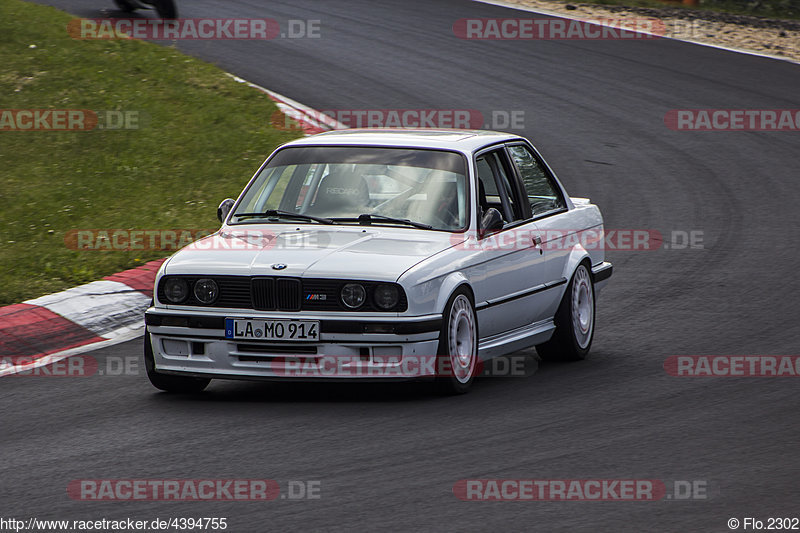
(206, 291)
(386, 296)
(176, 290)
(353, 295)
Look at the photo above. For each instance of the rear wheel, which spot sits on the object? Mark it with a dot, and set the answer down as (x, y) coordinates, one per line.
(168, 382)
(457, 355)
(574, 321)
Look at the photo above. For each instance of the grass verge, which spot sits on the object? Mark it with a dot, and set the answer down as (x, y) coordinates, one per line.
(200, 137)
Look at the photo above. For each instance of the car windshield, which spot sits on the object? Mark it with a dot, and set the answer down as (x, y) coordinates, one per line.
(415, 187)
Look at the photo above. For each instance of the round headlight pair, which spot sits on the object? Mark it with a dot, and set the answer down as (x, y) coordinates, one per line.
(176, 290)
(384, 296)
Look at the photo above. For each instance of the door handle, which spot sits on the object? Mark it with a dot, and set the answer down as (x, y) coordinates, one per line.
(537, 243)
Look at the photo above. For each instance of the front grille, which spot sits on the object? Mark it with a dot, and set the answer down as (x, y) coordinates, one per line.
(264, 293)
(276, 294)
(287, 294)
(234, 292)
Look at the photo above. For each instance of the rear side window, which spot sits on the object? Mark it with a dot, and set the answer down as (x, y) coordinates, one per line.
(543, 194)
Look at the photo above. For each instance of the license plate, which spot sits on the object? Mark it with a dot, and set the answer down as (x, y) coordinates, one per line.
(271, 330)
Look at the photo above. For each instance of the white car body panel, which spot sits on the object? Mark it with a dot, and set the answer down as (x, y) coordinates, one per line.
(516, 291)
(336, 252)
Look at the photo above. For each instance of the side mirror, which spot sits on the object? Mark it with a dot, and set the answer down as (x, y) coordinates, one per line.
(225, 208)
(491, 222)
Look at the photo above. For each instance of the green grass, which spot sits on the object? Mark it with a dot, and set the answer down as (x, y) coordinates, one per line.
(202, 138)
(779, 9)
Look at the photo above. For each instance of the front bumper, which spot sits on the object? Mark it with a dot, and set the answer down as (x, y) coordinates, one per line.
(192, 343)
(601, 273)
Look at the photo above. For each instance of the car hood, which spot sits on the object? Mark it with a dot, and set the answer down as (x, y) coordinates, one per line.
(353, 252)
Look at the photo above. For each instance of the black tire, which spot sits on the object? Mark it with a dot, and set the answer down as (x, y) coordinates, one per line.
(168, 382)
(570, 342)
(166, 9)
(455, 374)
(127, 6)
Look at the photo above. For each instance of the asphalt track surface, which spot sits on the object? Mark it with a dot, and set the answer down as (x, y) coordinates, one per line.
(388, 456)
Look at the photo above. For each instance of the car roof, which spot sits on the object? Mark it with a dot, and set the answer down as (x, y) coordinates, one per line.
(447, 139)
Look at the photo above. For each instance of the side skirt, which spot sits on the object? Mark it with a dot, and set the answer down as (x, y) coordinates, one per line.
(516, 339)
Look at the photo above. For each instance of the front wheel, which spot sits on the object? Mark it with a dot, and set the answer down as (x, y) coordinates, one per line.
(457, 355)
(574, 321)
(168, 382)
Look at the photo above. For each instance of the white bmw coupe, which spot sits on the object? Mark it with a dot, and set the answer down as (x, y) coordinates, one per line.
(382, 254)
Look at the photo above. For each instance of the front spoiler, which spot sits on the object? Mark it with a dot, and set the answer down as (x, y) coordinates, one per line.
(602, 271)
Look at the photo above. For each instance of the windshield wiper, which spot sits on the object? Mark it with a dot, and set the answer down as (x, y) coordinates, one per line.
(276, 213)
(367, 219)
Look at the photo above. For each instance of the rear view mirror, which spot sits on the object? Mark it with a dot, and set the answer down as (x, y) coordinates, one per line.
(491, 222)
(225, 208)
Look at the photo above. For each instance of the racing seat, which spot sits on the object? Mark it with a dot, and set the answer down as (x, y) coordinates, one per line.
(342, 193)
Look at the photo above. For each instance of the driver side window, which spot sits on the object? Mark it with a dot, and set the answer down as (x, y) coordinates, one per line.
(542, 193)
(495, 189)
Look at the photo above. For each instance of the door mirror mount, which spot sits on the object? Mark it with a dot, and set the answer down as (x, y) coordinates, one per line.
(225, 208)
(491, 222)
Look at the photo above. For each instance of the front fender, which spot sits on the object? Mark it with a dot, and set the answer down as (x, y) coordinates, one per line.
(449, 284)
